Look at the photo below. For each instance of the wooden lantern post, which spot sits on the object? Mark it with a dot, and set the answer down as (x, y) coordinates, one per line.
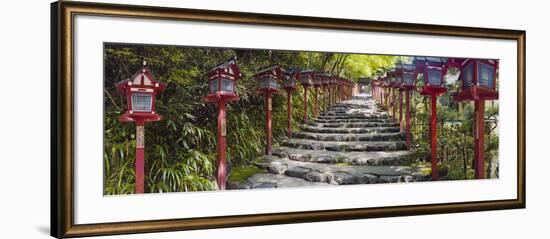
(289, 84)
(140, 91)
(325, 84)
(433, 70)
(392, 89)
(340, 89)
(267, 86)
(374, 90)
(317, 79)
(478, 78)
(221, 84)
(386, 93)
(306, 78)
(334, 85)
(398, 85)
(408, 75)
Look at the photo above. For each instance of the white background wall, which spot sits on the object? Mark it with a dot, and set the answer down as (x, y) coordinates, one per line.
(24, 121)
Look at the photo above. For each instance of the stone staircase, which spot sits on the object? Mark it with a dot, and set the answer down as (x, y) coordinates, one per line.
(352, 143)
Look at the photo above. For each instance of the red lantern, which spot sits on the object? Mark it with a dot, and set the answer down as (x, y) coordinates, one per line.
(291, 76)
(407, 74)
(306, 77)
(221, 82)
(385, 85)
(394, 88)
(374, 89)
(317, 82)
(340, 84)
(267, 85)
(325, 82)
(478, 77)
(434, 71)
(140, 91)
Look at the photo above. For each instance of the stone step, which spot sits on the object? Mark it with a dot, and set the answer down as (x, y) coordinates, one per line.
(349, 137)
(353, 120)
(351, 112)
(374, 158)
(345, 146)
(315, 129)
(342, 174)
(351, 116)
(354, 125)
(268, 180)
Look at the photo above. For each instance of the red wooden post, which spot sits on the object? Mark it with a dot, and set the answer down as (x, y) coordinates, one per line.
(433, 128)
(268, 131)
(221, 134)
(387, 98)
(479, 149)
(305, 104)
(394, 103)
(401, 110)
(316, 101)
(289, 112)
(408, 119)
(326, 97)
(329, 97)
(140, 156)
(335, 95)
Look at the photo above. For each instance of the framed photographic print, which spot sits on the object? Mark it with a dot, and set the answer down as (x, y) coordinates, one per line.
(173, 119)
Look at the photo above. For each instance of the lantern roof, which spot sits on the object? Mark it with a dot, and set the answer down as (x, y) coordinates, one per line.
(273, 70)
(141, 78)
(307, 71)
(293, 70)
(421, 61)
(455, 62)
(408, 67)
(229, 68)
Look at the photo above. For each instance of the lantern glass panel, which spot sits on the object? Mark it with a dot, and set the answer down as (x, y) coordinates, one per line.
(485, 75)
(317, 80)
(306, 79)
(408, 78)
(264, 83)
(142, 102)
(468, 75)
(213, 86)
(268, 83)
(290, 82)
(228, 85)
(434, 77)
(273, 84)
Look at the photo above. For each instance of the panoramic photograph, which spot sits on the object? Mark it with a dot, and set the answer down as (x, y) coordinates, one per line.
(187, 119)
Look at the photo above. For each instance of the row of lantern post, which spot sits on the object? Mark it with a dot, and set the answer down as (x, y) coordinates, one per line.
(141, 88)
(478, 83)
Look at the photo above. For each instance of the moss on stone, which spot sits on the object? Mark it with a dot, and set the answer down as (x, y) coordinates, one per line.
(343, 164)
(240, 174)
